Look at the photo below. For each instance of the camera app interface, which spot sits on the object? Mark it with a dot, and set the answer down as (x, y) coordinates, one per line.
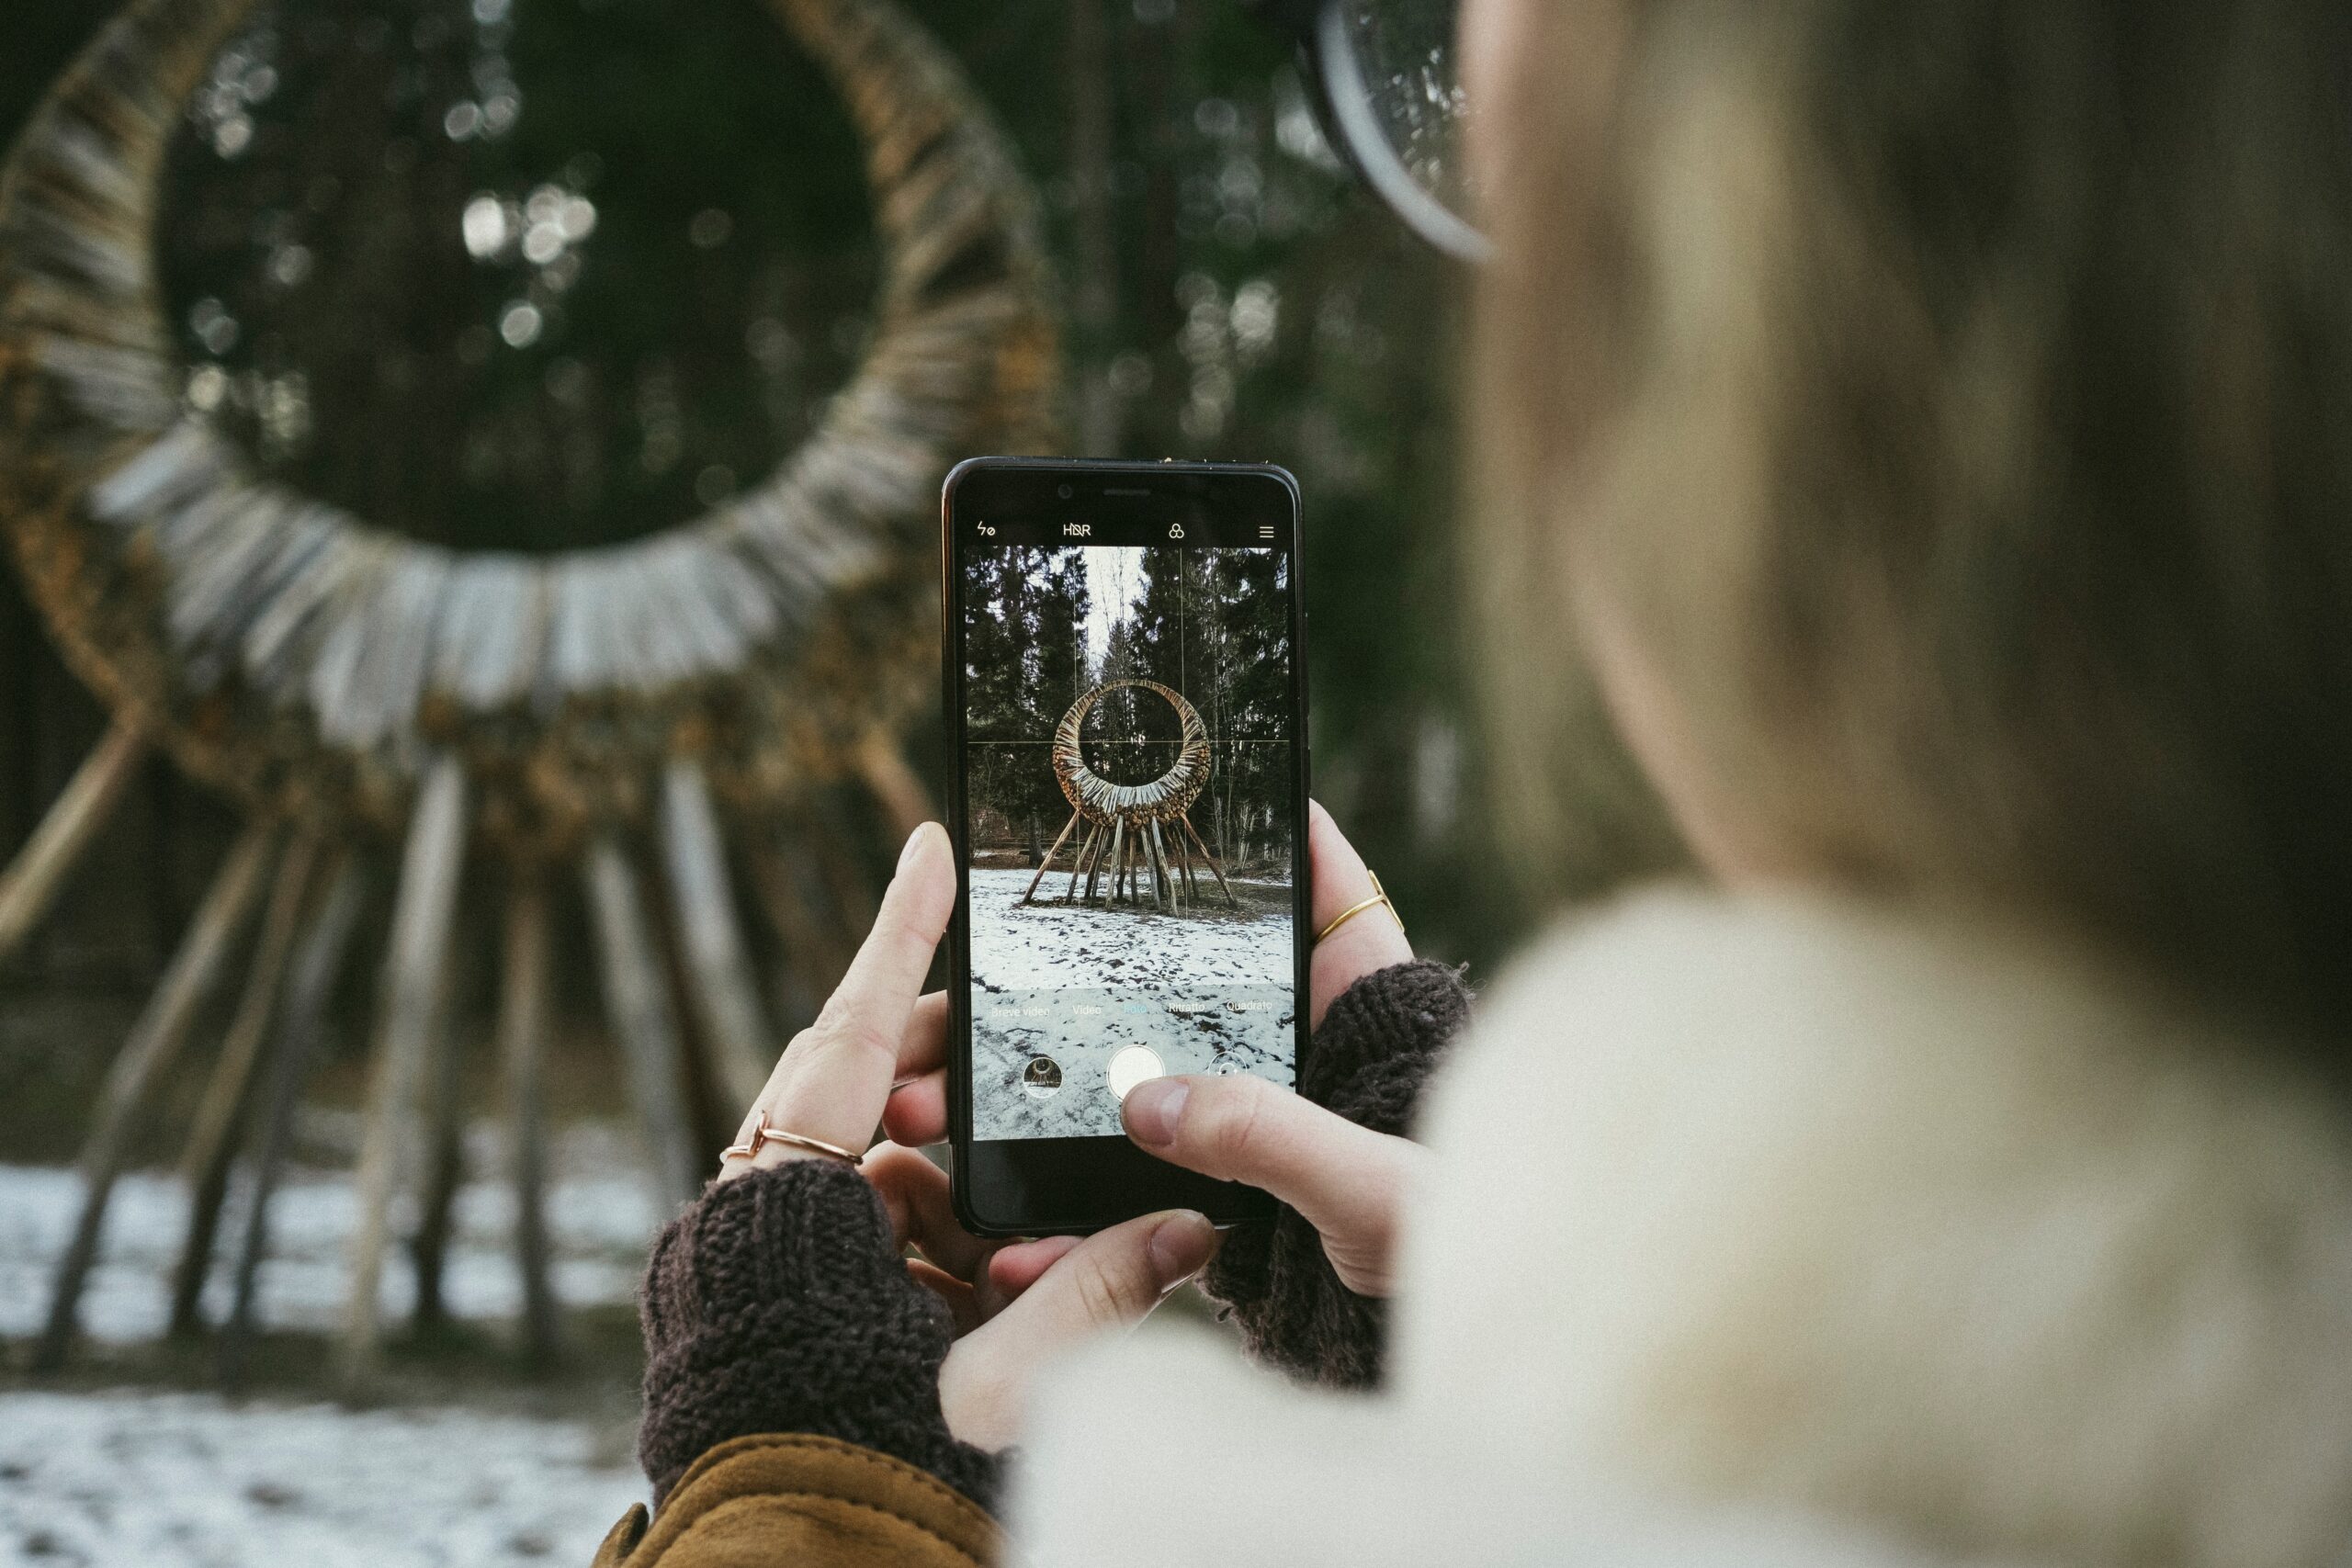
(1129, 793)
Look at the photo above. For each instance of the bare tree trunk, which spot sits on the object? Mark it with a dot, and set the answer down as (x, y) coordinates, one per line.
(1094, 301)
(1165, 100)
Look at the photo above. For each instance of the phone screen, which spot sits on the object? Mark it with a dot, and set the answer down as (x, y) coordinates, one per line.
(1132, 788)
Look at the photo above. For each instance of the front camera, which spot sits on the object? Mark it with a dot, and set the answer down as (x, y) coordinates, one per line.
(1065, 493)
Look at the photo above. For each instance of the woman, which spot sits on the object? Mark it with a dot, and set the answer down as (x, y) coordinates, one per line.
(1932, 420)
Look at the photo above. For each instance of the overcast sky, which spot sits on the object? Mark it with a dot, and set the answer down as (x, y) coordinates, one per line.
(1114, 582)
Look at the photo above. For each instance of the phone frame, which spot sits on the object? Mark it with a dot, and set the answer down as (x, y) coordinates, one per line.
(1017, 1187)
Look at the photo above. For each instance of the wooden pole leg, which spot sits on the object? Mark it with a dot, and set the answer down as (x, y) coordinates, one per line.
(842, 868)
(1086, 848)
(1147, 863)
(1231, 902)
(212, 1140)
(882, 765)
(816, 952)
(445, 1174)
(416, 979)
(522, 1015)
(1163, 879)
(637, 999)
(724, 996)
(31, 884)
(1102, 837)
(1042, 864)
(311, 982)
(156, 1039)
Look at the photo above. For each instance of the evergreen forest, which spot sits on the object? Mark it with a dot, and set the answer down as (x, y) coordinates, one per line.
(1044, 626)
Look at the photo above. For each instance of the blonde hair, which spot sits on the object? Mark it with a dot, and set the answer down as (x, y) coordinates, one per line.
(1954, 402)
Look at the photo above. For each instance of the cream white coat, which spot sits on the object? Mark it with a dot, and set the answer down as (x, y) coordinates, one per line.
(1785, 1231)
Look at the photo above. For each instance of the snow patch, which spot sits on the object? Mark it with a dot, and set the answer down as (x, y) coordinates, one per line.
(173, 1478)
(1212, 990)
(601, 1211)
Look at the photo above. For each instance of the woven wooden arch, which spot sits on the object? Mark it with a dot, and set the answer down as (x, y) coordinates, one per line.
(1133, 828)
(352, 687)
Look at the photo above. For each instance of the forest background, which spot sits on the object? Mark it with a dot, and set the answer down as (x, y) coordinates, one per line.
(531, 274)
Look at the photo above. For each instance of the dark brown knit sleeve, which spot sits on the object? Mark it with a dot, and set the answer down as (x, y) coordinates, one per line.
(1374, 1052)
(778, 1303)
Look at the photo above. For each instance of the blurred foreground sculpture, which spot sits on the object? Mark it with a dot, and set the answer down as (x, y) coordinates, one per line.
(517, 719)
(1137, 831)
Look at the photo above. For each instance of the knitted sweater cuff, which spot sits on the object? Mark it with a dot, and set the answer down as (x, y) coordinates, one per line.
(1375, 1051)
(779, 1302)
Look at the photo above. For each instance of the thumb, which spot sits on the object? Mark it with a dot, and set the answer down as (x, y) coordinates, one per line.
(1112, 1280)
(1109, 1281)
(1347, 1181)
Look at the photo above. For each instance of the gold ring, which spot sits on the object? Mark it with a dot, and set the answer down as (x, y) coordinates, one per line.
(1379, 896)
(763, 1134)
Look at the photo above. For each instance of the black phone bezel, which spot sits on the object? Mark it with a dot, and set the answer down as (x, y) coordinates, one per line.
(1073, 1186)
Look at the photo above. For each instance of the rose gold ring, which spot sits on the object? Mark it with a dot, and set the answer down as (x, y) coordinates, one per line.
(763, 1134)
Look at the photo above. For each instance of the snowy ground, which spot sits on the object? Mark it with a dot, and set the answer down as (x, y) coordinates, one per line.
(119, 1476)
(601, 1209)
(1210, 991)
(177, 1479)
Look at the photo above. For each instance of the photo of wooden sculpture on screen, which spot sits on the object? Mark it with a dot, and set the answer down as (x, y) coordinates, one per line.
(1130, 825)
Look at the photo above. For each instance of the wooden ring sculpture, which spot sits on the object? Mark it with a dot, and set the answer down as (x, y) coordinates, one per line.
(1133, 827)
(347, 685)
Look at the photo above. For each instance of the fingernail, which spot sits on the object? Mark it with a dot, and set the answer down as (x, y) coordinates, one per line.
(913, 839)
(1182, 1248)
(1153, 1108)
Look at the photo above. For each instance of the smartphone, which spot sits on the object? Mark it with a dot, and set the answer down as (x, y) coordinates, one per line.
(1125, 665)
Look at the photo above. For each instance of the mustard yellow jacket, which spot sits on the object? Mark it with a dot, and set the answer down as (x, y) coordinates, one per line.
(805, 1501)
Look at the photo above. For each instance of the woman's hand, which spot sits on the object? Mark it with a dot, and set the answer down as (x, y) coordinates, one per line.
(1346, 1181)
(1015, 1305)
